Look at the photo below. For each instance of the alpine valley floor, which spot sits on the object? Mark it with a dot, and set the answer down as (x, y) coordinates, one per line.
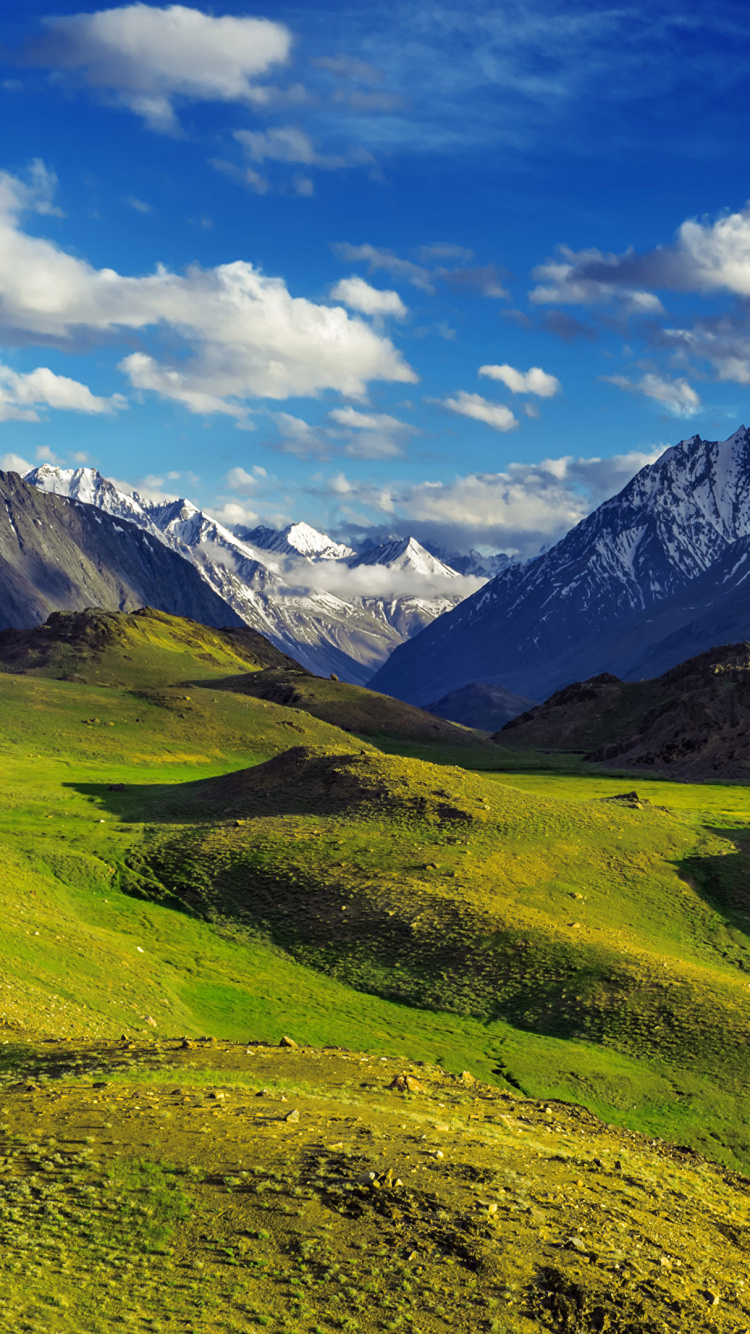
(178, 861)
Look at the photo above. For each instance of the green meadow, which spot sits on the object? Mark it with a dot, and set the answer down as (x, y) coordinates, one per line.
(462, 905)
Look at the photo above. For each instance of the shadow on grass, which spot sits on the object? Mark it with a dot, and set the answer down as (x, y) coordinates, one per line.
(723, 882)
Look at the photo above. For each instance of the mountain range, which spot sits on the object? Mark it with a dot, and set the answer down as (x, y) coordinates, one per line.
(656, 574)
(311, 596)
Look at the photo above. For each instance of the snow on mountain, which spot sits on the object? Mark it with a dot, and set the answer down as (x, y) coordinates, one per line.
(594, 601)
(299, 539)
(404, 554)
(275, 580)
(473, 562)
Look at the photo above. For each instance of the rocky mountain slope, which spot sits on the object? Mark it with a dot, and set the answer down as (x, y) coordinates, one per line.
(60, 554)
(266, 577)
(646, 564)
(691, 722)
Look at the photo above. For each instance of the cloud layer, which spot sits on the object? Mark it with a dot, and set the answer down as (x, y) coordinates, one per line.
(242, 334)
(516, 510)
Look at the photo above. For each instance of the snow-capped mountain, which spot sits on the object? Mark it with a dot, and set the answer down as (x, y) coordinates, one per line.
(58, 554)
(619, 583)
(472, 562)
(298, 539)
(264, 575)
(404, 554)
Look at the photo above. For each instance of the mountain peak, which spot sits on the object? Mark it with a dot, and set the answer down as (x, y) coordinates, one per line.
(404, 553)
(595, 600)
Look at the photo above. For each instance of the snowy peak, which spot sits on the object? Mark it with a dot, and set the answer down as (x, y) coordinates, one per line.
(404, 554)
(90, 488)
(299, 539)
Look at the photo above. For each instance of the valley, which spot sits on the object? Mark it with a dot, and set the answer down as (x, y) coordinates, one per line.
(183, 859)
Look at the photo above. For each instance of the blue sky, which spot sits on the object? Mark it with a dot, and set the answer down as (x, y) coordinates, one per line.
(453, 270)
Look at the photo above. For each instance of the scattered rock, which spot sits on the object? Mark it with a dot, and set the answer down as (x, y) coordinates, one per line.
(466, 1077)
(292, 1116)
(288, 1042)
(406, 1084)
(187, 1043)
(150, 1020)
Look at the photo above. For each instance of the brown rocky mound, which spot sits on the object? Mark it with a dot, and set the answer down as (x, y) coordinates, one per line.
(694, 721)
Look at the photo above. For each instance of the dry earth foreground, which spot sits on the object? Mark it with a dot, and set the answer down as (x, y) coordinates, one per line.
(211, 1186)
(516, 1095)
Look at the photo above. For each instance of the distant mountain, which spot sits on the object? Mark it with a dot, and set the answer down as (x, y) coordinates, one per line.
(298, 539)
(486, 567)
(265, 576)
(691, 722)
(404, 554)
(643, 567)
(62, 555)
(482, 706)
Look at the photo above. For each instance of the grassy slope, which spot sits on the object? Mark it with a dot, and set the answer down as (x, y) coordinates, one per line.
(352, 708)
(164, 1189)
(144, 648)
(652, 885)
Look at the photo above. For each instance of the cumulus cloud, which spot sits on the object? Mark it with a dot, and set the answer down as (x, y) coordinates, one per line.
(676, 395)
(22, 394)
(496, 415)
(359, 295)
(704, 257)
(244, 482)
(533, 381)
(146, 58)
(516, 510)
(242, 333)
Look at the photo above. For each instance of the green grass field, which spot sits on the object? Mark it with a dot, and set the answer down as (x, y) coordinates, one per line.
(507, 918)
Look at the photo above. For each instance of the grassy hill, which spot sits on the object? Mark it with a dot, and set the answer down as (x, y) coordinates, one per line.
(143, 648)
(352, 708)
(178, 860)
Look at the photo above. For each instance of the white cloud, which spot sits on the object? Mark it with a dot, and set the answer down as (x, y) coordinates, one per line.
(676, 395)
(145, 58)
(233, 513)
(21, 395)
(588, 278)
(359, 295)
(368, 421)
(496, 415)
(705, 257)
(285, 143)
(514, 510)
(241, 481)
(534, 381)
(14, 463)
(139, 205)
(243, 334)
(377, 259)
